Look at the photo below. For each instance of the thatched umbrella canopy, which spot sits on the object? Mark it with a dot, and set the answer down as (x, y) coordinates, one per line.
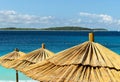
(7, 59)
(87, 62)
(32, 58)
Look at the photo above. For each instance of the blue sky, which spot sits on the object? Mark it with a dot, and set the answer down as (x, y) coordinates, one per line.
(51, 13)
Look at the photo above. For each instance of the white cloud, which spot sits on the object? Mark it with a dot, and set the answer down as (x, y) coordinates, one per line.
(106, 17)
(13, 18)
(100, 20)
(88, 14)
(118, 22)
(9, 12)
(100, 17)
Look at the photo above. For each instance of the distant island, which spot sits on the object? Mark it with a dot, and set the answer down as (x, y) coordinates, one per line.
(65, 28)
(73, 28)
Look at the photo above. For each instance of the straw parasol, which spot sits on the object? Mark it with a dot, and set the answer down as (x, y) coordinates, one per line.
(87, 62)
(32, 58)
(7, 59)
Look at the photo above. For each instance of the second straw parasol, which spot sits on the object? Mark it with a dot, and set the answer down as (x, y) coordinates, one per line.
(87, 62)
(32, 58)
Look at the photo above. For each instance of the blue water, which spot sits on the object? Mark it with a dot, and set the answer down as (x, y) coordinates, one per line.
(55, 41)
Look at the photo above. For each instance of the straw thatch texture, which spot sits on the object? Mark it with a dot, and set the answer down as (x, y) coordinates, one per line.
(88, 62)
(31, 58)
(7, 59)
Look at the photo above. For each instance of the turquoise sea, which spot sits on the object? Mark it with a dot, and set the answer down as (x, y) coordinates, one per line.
(55, 41)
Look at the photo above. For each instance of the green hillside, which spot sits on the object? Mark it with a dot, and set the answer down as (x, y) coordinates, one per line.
(66, 28)
(74, 28)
